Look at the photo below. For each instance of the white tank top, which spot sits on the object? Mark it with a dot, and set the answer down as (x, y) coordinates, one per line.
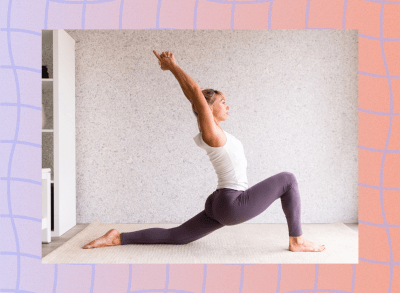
(229, 162)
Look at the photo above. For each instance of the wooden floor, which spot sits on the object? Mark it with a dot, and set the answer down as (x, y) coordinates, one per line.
(58, 241)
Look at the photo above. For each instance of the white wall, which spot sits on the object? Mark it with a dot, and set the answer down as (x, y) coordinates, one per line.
(293, 98)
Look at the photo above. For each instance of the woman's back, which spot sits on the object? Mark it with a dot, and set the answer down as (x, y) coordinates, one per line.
(228, 160)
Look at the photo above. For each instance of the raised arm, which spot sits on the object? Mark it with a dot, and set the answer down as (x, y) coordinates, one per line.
(187, 83)
(193, 93)
(166, 66)
(195, 96)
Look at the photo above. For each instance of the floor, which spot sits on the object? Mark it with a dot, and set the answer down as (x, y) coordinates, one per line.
(58, 241)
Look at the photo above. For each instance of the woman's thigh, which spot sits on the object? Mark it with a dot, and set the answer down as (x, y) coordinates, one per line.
(231, 207)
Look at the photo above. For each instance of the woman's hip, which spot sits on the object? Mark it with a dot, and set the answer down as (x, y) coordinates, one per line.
(221, 201)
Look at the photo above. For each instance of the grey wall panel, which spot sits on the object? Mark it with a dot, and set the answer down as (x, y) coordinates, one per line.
(293, 98)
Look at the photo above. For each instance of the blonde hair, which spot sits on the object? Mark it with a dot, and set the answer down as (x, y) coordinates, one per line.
(210, 95)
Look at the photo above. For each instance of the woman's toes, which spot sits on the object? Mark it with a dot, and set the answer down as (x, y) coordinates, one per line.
(315, 247)
(306, 246)
(88, 245)
(111, 238)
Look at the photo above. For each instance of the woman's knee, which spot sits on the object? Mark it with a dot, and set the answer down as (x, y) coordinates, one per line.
(226, 221)
(178, 236)
(290, 177)
(182, 241)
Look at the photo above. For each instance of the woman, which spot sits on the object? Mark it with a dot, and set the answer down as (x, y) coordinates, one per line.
(232, 202)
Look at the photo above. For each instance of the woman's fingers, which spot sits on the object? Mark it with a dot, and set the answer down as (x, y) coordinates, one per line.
(166, 53)
(165, 59)
(158, 56)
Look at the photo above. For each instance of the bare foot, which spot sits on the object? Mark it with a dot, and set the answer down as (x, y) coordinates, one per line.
(111, 238)
(299, 244)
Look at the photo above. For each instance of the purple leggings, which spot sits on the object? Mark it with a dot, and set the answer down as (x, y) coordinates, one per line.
(230, 207)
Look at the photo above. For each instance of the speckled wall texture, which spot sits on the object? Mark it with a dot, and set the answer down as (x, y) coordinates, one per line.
(293, 98)
(47, 107)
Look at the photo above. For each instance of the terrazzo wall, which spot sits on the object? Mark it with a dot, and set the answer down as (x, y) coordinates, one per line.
(293, 98)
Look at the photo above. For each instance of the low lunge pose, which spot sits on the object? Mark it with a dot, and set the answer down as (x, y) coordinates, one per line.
(232, 202)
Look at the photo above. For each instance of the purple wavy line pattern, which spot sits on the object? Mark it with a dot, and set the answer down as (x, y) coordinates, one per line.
(378, 225)
(378, 187)
(39, 34)
(8, 30)
(22, 217)
(383, 2)
(307, 14)
(377, 113)
(83, 2)
(379, 38)
(13, 67)
(21, 68)
(386, 145)
(377, 150)
(22, 142)
(270, 14)
(378, 75)
(233, 2)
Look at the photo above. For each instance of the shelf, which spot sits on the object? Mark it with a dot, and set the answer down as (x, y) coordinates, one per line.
(58, 98)
(47, 83)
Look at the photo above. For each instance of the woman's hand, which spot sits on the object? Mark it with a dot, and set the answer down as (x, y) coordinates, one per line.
(166, 60)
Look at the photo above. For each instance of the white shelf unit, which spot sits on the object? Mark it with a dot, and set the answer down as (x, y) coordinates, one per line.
(46, 207)
(63, 132)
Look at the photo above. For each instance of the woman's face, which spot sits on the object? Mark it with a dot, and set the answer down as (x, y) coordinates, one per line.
(220, 108)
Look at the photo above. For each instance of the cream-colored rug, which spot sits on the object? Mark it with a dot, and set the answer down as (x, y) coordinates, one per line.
(238, 244)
